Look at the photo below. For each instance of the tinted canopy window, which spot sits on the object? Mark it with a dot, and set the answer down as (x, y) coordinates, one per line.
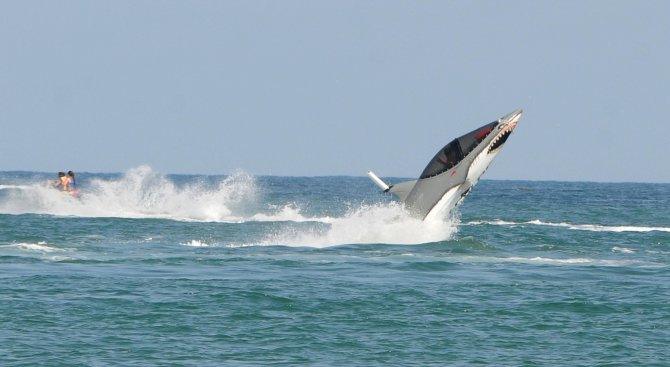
(446, 158)
(454, 152)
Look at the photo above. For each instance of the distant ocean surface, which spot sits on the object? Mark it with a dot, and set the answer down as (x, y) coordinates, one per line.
(148, 269)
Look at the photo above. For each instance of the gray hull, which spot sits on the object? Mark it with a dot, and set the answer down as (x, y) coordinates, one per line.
(455, 169)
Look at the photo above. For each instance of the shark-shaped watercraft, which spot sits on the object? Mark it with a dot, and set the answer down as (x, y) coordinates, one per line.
(454, 170)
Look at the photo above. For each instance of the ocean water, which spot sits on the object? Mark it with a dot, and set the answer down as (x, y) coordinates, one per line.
(149, 269)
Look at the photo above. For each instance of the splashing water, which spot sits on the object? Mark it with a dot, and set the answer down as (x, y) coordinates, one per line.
(144, 193)
(141, 193)
(380, 223)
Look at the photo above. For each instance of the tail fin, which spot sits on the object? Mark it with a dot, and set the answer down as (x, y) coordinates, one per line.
(401, 190)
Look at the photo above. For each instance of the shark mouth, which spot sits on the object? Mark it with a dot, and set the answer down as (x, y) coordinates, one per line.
(502, 137)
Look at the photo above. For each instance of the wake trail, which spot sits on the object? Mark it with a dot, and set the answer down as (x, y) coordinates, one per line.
(579, 227)
(139, 193)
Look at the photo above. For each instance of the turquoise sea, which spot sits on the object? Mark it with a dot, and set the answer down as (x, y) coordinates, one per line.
(150, 269)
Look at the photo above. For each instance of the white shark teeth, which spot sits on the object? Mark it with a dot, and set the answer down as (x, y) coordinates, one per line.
(503, 134)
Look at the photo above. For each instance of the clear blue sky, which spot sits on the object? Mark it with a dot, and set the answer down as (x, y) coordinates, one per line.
(334, 87)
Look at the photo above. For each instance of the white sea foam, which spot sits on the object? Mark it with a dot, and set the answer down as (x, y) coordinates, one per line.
(527, 260)
(545, 260)
(34, 247)
(381, 223)
(496, 222)
(14, 187)
(577, 261)
(601, 228)
(143, 193)
(580, 227)
(287, 213)
(195, 243)
(57, 258)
